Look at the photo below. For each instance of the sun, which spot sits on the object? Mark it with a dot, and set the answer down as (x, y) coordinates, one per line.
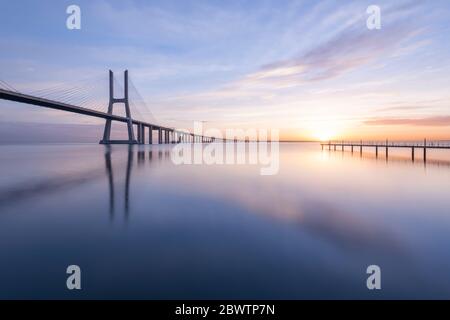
(324, 135)
(323, 131)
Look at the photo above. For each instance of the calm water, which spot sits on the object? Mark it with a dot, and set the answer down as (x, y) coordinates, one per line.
(141, 227)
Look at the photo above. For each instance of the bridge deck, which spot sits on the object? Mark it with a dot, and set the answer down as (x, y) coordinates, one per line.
(28, 99)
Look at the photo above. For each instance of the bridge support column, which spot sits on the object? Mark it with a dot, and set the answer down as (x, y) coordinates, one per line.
(150, 135)
(412, 154)
(159, 136)
(376, 151)
(138, 131)
(143, 134)
(107, 131)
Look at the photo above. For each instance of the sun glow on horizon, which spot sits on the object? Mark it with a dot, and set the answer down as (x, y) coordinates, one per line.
(323, 130)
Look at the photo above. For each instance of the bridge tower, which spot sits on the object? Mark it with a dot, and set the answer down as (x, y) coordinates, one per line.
(107, 133)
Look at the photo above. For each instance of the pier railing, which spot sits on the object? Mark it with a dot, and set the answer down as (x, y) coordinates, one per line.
(413, 145)
(406, 144)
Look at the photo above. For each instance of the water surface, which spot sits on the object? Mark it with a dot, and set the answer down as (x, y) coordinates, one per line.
(141, 227)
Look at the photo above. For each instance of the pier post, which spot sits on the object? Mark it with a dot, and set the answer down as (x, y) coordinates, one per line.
(159, 135)
(387, 149)
(412, 154)
(376, 151)
(352, 147)
(360, 147)
(425, 150)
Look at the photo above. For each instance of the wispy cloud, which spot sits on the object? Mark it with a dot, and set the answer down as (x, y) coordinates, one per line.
(347, 51)
(403, 108)
(438, 121)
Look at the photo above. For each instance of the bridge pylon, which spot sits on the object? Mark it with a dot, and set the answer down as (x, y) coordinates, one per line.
(107, 132)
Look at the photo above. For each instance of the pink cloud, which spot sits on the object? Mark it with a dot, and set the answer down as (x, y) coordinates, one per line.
(437, 121)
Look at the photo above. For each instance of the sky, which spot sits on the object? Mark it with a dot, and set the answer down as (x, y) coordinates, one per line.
(311, 69)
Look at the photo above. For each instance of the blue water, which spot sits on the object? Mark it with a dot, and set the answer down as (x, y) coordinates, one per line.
(140, 226)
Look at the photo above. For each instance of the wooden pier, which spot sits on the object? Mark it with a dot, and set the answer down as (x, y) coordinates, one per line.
(386, 145)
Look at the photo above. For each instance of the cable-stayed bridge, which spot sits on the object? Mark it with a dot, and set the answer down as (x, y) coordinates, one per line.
(89, 98)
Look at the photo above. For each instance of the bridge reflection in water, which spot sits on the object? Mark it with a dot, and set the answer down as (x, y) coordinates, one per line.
(141, 156)
(14, 194)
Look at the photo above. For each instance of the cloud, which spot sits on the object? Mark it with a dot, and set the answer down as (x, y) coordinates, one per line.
(348, 50)
(437, 121)
(403, 108)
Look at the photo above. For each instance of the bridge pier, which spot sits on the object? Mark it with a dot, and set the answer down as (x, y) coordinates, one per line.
(376, 151)
(412, 154)
(150, 135)
(107, 131)
(159, 136)
(140, 133)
